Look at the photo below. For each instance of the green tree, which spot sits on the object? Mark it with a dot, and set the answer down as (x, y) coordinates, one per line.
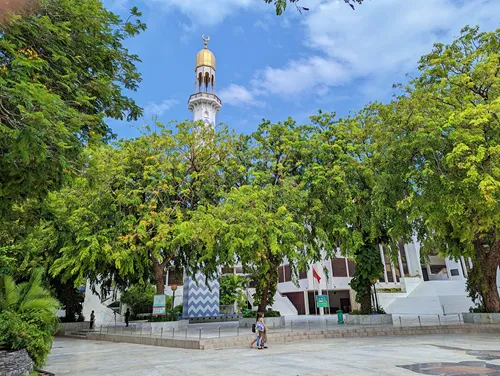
(232, 289)
(139, 298)
(120, 222)
(282, 4)
(263, 223)
(63, 68)
(441, 138)
(27, 316)
(342, 183)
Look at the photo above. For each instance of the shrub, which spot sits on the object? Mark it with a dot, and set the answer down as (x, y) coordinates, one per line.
(253, 314)
(140, 299)
(28, 317)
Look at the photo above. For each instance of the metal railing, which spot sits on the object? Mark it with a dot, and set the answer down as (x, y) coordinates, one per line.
(231, 329)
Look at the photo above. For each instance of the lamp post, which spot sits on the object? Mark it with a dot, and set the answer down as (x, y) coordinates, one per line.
(173, 287)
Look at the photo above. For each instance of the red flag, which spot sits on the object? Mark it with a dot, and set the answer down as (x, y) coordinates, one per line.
(316, 275)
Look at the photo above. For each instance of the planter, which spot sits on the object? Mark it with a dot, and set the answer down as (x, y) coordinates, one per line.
(368, 319)
(271, 322)
(15, 363)
(481, 318)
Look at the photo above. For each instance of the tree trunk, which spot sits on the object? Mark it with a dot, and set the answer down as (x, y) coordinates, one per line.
(159, 275)
(488, 260)
(265, 294)
(366, 301)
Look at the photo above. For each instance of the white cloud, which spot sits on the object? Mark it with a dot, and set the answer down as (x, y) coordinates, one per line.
(238, 96)
(260, 24)
(377, 43)
(158, 109)
(205, 12)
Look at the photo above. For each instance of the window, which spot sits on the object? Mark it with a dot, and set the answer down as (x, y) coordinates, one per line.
(339, 268)
(288, 274)
(454, 272)
(281, 275)
(352, 267)
(303, 274)
(227, 270)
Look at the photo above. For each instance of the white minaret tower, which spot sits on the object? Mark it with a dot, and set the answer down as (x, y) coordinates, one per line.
(204, 104)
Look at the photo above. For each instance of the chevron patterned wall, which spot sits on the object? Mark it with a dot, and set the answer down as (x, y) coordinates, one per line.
(199, 300)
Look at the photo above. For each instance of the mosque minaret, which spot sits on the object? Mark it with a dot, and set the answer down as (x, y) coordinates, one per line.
(204, 104)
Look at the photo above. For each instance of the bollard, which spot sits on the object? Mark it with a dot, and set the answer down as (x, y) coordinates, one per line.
(459, 319)
(219, 331)
(107, 329)
(200, 334)
(419, 321)
(291, 326)
(439, 320)
(123, 329)
(151, 332)
(274, 326)
(173, 332)
(161, 333)
(238, 331)
(400, 322)
(327, 325)
(100, 330)
(308, 326)
(141, 330)
(186, 333)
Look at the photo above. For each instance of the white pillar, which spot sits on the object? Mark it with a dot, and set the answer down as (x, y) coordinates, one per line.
(400, 261)
(393, 270)
(306, 302)
(383, 261)
(464, 267)
(347, 267)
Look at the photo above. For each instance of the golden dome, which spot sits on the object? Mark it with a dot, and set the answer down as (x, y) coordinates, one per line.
(205, 57)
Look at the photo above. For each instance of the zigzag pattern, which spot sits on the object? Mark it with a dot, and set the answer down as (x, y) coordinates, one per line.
(200, 300)
(203, 313)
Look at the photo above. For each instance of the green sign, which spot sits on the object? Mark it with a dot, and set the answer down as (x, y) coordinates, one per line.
(159, 305)
(321, 301)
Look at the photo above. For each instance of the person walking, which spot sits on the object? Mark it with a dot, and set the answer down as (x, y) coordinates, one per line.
(127, 316)
(254, 330)
(92, 319)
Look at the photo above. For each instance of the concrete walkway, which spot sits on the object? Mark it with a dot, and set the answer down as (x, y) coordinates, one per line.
(343, 356)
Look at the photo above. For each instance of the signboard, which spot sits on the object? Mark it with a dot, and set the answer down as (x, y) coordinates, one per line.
(159, 305)
(321, 301)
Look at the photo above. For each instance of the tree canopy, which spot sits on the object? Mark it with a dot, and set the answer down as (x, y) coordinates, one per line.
(281, 5)
(63, 68)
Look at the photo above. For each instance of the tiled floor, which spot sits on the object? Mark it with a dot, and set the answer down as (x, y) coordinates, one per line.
(428, 355)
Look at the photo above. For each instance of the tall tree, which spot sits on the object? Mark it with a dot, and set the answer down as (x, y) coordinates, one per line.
(342, 183)
(263, 223)
(63, 69)
(120, 222)
(441, 138)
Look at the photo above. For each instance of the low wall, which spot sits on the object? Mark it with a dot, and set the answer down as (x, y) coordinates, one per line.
(15, 363)
(368, 319)
(271, 322)
(285, 337)
(481, 318)
(137, 326)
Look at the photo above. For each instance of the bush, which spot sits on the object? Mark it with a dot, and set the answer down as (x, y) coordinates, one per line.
(253, 314)
(140, 299)
(28, 317)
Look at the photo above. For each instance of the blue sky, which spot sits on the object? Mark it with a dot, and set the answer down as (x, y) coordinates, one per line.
(330, 58)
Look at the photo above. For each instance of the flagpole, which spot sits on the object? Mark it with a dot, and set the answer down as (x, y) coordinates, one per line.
(327, 292)
(315, 292)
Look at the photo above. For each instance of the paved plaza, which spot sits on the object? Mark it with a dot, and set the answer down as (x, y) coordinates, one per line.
(443, 355)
